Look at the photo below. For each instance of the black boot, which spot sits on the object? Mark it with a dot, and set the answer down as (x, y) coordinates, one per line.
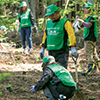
(98, 64)
(91, 68)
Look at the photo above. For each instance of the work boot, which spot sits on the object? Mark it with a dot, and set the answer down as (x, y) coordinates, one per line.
(24, 51)
(98, 64)
(91, 68)
(30, 50)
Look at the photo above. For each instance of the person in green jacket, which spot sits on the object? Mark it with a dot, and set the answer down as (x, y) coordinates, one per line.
(26, 22)
(90, 36)
(56, 81)
(58, 37)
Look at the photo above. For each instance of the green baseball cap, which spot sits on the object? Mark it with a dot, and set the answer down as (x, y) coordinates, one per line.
(51, 9)
(4, 28)
(23, 4)
(48, 59)
(87, 5)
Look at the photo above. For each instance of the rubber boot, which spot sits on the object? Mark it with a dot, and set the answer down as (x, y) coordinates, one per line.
(91, 68)
(98, 64)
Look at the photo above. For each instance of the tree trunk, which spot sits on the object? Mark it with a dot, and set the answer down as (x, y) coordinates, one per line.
(37, 9)
(44, 2)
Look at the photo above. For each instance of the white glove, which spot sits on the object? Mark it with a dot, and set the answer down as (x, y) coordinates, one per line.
(42, 53)
(80, 20)
(74, 52)
(33, 89)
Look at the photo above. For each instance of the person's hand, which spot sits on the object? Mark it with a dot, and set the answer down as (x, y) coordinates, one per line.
(42, 53)
(33, 89)
(32, 28)
(74, 52)
(35, 29)
(80, 20)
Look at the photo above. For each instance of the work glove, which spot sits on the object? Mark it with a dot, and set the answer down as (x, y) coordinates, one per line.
(42, 53)
(74, 52)
(35, 29)
(80, 20)
(33, 89)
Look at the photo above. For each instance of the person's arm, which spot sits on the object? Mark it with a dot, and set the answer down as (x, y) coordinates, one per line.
(33, 21)
(47, 75)
(19, 20)
(71, 35)
(44, 40)
(87, 25)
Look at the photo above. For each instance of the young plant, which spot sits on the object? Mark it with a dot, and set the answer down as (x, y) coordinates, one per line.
(3, 76)
(36, 57)
(91, 97)
(82, 66)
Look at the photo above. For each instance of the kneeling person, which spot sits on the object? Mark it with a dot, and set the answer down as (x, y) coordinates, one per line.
(55, 80)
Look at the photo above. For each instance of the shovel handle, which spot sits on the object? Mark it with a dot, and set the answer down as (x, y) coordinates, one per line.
(74, 59)
(77, 81)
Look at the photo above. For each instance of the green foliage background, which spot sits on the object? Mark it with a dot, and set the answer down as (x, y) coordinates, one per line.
(8, 8)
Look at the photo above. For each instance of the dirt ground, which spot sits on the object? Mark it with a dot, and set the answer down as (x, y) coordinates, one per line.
(16, 64)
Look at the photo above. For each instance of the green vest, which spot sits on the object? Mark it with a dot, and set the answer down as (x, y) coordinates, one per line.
(62, 74)
(87, 31)
(55, 34)
(25, 20)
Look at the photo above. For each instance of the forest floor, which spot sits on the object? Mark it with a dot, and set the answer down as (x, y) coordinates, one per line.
(15, 63)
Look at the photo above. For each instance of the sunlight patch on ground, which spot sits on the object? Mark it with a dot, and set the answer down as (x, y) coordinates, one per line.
(21, 67)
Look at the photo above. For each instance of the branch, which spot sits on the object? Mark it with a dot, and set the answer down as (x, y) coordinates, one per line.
(66, 7)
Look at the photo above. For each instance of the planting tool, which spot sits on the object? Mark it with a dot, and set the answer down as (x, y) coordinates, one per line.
(77, 81)
(78, 93)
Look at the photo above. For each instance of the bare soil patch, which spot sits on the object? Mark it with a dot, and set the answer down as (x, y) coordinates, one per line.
(12, 62)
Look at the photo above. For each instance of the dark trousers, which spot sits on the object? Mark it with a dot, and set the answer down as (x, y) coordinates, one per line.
(61, 56)
(52, 92)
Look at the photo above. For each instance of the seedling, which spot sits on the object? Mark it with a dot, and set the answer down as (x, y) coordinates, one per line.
(0, 93)
(9, 88)
(36, 57)
(82, 66)
(91, 98)
(24, 72)
(18, 52)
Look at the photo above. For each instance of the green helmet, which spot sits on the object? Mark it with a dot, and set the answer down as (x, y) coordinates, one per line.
(23, 4)
(87, 5)
(48, 59)
(51, 9)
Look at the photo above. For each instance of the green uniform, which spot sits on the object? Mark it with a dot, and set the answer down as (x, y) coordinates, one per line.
(55, 34)
(25, 19)
(62, 74)
(87, 30)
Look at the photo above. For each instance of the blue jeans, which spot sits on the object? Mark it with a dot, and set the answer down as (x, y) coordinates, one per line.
(26, 32)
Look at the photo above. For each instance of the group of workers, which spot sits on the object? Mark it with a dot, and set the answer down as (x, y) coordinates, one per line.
(58, 37)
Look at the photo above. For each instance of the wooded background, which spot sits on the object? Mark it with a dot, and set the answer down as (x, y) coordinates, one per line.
(68, 8)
